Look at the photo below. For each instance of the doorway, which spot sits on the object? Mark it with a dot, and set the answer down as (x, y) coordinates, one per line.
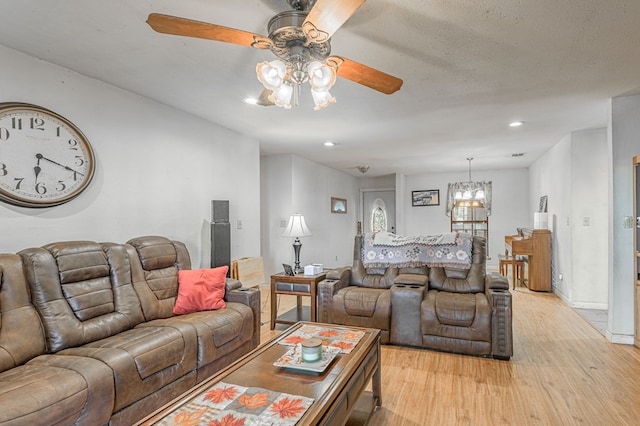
(378, 211)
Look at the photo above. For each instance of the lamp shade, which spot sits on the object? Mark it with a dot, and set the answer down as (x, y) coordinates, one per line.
(296, 227)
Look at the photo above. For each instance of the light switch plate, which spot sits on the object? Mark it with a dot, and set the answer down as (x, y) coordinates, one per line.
(628, 222)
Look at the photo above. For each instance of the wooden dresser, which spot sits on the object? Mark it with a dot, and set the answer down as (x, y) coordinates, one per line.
(536, 245)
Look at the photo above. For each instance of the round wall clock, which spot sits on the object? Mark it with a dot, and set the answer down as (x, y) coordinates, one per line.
(45, 160)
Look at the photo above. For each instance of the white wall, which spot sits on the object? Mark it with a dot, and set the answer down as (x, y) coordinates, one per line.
(550, 175)
(590, 217)
(575, 175)
(624, 143)
(157, 168)
(292, 184)
(510, 205)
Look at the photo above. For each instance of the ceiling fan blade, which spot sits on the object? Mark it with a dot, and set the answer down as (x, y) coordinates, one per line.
(174, 25)
(326, 16)
(367, 76)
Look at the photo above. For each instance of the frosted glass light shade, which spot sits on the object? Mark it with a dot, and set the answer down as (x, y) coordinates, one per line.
(282, 95)
(321, 77)
(322, 99)
(271, 74)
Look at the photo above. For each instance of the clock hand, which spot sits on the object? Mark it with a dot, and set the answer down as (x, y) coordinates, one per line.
(37, 168)
(75, 172)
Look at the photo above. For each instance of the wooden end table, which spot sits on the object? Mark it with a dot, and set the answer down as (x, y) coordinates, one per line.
(298, 285)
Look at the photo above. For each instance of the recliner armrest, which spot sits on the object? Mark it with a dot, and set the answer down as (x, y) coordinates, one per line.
(501, 322)
(251, 298)
(326, 290)
(342, 274)
(495, 281)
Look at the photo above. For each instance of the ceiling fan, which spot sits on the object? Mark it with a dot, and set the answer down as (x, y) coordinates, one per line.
(300, 39)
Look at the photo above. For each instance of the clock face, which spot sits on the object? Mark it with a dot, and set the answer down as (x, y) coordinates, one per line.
(45, 160)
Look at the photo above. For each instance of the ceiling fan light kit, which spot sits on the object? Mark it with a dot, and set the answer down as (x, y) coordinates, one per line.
(300, 39)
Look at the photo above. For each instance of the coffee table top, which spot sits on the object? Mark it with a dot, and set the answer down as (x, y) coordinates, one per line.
(256, 369)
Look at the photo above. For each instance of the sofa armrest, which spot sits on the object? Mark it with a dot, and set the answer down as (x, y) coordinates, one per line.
(251, 298)
(501, 323)
(495, 281)
(326, 290)
(232, 284)
(341, 274)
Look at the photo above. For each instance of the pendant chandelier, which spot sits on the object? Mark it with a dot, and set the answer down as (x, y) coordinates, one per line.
(469, 194)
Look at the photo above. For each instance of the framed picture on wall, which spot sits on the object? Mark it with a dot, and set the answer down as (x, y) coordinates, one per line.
(338, 205)
(430, 197)
(543, 204)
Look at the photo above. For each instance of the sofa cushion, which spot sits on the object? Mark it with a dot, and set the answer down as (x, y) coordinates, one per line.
(156, 281)
(21, 334)
(60, 395)
(81, 304)
(144, 359)
(57, 390)
(465, 316)
(200, 290)
(219, 332)
(155, 252)
(462, 280)
(363, 307)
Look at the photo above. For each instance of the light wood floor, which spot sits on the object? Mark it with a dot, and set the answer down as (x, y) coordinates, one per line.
(563, 372)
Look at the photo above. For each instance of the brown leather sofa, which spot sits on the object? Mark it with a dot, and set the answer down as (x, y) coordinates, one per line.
(88, 337)
(452, 310)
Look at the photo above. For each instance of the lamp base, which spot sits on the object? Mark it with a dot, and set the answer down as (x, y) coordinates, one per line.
(296, 250)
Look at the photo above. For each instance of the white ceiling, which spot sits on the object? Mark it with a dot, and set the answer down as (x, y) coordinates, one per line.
(469, 68)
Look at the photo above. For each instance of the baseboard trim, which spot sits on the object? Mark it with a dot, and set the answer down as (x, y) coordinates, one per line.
(621, 339)
(591, 305)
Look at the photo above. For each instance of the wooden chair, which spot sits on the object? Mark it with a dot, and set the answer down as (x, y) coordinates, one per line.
(505, 262)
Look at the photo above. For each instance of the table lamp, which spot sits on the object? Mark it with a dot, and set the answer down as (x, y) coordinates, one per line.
(296, 228)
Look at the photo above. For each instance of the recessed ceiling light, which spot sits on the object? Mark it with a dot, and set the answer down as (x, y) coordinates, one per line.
(329, 144)
(516, 123)
(250, 101)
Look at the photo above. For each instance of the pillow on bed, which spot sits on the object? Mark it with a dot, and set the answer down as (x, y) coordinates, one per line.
(200, 290)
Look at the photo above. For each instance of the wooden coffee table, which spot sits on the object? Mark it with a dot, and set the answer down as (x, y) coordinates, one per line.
(338, 392)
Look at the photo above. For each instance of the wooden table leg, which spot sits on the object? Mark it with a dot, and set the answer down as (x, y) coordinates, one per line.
(376, 386)
(274, 304)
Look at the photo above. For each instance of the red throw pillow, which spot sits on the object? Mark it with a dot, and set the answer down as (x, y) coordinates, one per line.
(200, 290)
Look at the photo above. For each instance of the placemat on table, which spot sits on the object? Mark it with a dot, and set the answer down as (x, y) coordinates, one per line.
(228, 404)
(345, 340)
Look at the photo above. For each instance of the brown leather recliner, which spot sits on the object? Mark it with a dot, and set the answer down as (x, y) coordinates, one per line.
(360, 296)
(460, 311)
